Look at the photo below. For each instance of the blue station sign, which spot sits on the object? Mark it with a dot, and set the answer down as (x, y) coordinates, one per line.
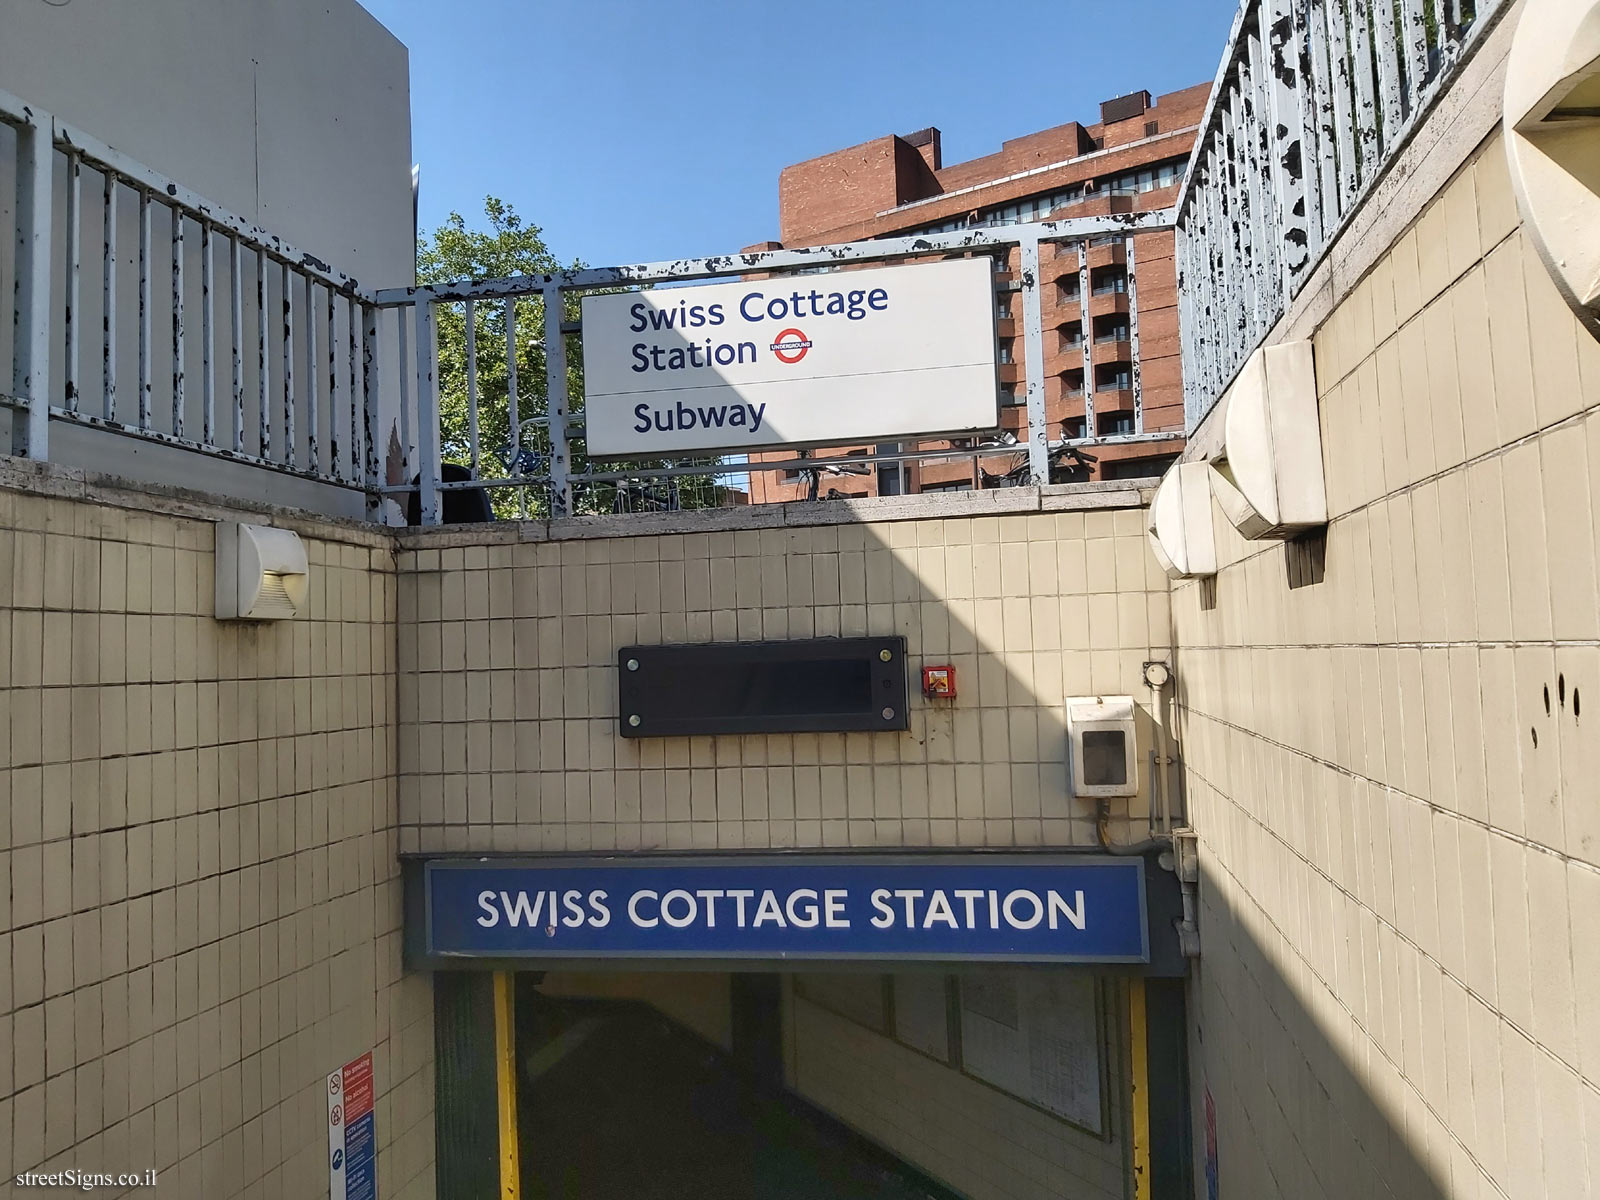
(945, 908)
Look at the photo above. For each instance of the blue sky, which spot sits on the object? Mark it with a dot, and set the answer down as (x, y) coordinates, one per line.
(634, 130)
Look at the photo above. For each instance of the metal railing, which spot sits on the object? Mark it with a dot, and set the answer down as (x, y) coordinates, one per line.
(1310, 105)
(146, 311)
(542, 453)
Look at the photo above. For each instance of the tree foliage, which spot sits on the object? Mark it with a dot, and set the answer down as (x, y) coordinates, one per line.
(511, 246)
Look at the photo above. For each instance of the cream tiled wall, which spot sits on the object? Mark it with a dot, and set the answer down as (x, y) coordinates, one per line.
(964, 1133)
(199, 895)
(1393, 772)
(508, 708)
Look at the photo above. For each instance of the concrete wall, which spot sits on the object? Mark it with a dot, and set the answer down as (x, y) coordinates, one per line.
(1391, 770)
(199, 896)
(294, 114)
(508, 706)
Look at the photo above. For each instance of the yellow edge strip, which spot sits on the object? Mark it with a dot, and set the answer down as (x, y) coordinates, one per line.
(505, 1074)
(1141, 1090)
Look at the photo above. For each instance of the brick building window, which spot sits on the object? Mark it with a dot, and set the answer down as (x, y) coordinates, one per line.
(1111, 281)
(1138, 468)
(1145, 179)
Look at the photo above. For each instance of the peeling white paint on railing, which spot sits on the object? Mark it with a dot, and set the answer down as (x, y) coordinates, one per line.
(1311, 103)
(550, 470)
(305, 393)
(56, 318)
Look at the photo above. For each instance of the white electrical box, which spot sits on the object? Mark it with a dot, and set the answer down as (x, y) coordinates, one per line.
(261, 573)
(1101, 746)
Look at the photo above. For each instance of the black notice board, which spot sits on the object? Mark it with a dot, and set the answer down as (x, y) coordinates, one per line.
(818, 685)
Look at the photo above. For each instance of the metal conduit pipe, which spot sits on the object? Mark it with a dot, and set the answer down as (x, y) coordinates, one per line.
(1156, 677)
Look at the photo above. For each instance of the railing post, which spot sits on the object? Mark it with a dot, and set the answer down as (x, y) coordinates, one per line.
(288, 364)
(472, 381)
(1186, 335)
(34, 285)
(1289, 157)
(1317, 88)
(371, 381)
(1220, 346)
(208, 336)
(147, 313)
(1234, 230)
(263, 358)
(74, 309)
(176, 247)
(513, 399)
(363, 428)
(1033, 358)
(1258, 167)
(555, 363)
(313, 442)
(427, 412)
(108, 305)
(403, 377)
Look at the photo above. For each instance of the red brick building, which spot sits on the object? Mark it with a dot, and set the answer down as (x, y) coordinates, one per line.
(1131, 160)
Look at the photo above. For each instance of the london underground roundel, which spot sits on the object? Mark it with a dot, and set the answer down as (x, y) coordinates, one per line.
(790, 346)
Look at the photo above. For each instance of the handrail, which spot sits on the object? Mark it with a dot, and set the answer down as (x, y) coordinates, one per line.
(148, 312)
(552, 473)
(268, 356)
(1311, 103)
(717, 266)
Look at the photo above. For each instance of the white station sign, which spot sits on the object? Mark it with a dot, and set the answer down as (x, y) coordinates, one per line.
(851, 356)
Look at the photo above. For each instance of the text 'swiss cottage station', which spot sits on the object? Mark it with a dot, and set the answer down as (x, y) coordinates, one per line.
(747, 365)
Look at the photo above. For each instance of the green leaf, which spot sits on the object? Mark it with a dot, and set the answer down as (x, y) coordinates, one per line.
(509, 246)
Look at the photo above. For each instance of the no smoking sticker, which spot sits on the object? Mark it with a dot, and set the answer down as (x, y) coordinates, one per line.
(352, 1132)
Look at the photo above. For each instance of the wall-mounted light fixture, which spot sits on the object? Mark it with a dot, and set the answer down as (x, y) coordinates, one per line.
(1180, 530)
(1552, 132)
(261, 573)
(1268, 479)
